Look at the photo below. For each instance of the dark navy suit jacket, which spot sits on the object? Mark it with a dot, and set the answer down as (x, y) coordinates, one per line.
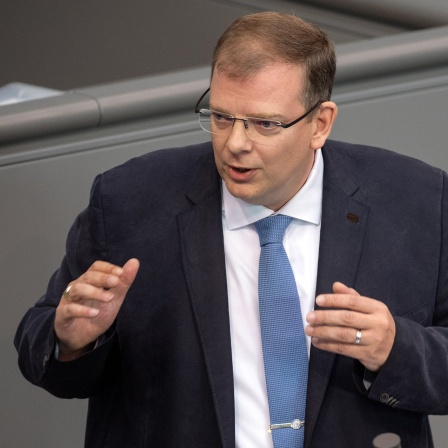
(162, 376)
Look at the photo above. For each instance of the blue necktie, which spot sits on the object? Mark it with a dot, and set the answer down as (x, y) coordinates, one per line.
(282, 335)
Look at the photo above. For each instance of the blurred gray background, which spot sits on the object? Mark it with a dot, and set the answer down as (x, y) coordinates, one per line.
(118, 79)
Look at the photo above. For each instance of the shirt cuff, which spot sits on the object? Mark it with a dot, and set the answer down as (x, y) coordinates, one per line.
(56, 349)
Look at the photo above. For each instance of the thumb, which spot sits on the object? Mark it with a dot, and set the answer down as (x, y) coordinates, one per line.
(127, 277)
(130, 270)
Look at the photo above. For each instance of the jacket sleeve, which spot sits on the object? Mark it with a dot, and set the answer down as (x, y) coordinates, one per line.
(415, 375)
(35, 339)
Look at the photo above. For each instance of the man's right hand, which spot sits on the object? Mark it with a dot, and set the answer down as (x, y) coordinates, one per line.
(91, 306)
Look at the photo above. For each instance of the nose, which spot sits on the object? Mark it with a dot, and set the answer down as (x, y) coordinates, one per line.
(245, 121)
(238, 140)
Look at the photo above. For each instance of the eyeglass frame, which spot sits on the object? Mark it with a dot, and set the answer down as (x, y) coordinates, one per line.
(244, 120)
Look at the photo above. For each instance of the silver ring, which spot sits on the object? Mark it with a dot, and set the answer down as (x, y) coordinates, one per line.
(66, 293)
(358, 337)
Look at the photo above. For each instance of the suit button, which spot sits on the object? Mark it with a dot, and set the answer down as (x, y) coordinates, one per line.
(384, 398)
(46, 360)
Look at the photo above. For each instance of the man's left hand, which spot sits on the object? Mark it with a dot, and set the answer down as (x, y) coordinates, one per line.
(352, 325)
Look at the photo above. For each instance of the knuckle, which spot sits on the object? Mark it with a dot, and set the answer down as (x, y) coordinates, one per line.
(353, 301)
(71, 292)
(340, 348)
(379, 307)
(384, 322)
(346, 334)
(95, 265)
(86, 277)
(349, 317)
(68, 310)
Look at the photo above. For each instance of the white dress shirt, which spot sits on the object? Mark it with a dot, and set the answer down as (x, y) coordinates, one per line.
(242, 252)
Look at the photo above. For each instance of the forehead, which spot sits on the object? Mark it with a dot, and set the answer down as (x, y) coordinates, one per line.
(276, 87)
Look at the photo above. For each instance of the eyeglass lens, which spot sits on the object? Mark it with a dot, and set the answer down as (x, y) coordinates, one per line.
(257, 129)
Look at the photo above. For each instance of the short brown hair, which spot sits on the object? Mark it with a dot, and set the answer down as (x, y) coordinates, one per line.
(256, 40)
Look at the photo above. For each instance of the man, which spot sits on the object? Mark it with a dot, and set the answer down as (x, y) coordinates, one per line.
(154, 312)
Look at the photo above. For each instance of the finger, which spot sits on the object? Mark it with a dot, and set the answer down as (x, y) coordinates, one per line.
(106, 275)
(120, 288)
(66, 294)
(76, 310)
(106, 268)
(347, 301)
(80, 291)
(372, 359)
(341, 348)
(341, 318)
(340, 288)
(101, 279)
(337, 335)
(102, 274)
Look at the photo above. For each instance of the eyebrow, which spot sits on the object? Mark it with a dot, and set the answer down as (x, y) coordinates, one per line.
(273, 117)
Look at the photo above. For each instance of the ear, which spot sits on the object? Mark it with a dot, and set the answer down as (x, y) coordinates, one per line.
(323, 123)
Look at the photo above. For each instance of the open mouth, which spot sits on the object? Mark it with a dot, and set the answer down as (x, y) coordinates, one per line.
(240, 174)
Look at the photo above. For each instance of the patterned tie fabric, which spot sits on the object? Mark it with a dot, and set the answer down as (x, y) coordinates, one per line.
(283, 338)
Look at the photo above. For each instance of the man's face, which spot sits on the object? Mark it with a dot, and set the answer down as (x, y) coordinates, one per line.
(263, 174)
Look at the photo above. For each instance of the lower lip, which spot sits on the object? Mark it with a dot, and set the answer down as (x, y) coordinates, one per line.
(240, 176)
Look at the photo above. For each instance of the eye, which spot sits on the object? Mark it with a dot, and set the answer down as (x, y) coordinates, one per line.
(265, 125)
(222, 118)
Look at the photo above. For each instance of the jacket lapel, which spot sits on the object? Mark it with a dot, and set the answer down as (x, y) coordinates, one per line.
(344, 221)
(201, 236)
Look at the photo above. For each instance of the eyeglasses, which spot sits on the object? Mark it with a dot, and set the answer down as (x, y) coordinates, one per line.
(258, 129)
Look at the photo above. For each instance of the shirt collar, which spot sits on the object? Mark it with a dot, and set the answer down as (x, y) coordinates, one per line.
(305, 205)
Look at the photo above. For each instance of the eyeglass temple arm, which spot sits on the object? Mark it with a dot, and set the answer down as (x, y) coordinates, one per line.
(284, 126)
(196, 108)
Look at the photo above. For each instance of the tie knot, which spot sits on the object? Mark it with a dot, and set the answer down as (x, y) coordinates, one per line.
(272, 228)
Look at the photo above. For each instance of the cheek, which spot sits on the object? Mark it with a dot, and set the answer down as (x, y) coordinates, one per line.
(280, 159)
(291, 165)
(217, 149)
